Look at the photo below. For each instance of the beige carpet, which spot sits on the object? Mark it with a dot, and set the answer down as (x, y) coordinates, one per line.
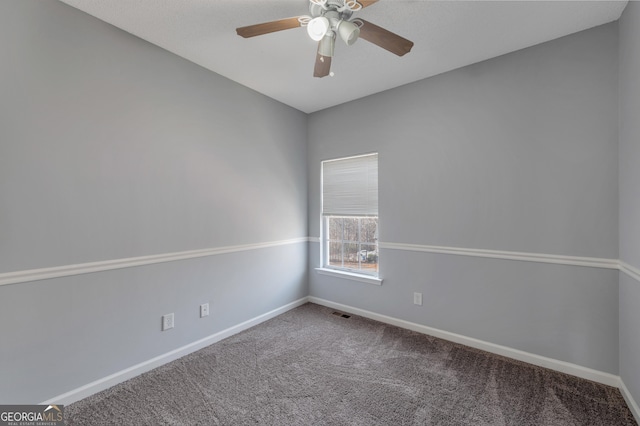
(311, 367)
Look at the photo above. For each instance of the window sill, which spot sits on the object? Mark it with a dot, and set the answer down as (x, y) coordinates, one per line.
(350, 276)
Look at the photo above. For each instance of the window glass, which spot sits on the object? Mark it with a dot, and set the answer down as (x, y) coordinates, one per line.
(350, 214)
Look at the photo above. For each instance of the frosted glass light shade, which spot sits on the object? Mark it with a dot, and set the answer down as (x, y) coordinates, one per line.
(349, 32)
(318, 27)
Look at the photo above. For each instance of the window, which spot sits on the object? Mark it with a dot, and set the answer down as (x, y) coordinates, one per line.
(350, 214)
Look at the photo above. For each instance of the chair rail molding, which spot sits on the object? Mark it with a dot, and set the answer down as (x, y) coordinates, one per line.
(16, 277)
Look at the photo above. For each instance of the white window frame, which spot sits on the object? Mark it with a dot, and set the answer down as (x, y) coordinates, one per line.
(327, 241)
(362, 275)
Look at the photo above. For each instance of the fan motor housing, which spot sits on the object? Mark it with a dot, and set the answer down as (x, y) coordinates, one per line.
(331, 6)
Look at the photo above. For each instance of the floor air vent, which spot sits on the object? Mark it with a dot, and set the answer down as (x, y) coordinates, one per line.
(340, 314)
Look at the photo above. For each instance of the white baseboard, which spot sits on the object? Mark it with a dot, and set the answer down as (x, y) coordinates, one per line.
(633, 405)
(553, 364)
(128, 373)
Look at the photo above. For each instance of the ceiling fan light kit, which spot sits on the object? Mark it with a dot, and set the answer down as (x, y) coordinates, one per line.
(327, 44)
(317, 28)
(328, 19)
(348, 31)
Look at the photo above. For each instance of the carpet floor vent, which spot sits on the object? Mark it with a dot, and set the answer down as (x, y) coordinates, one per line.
(340, 314)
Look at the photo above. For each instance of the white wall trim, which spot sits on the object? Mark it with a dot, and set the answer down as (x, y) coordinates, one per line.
(128, 373)
(630, 271)
(553, 364)
(593, 262)
(350, 276)
(633, 405)
(106, 265)
(561, 366)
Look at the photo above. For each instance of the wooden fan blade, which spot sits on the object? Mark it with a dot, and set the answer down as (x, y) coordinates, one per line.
(385, 38)
(268, 27)
(366, 3)
(323, 66)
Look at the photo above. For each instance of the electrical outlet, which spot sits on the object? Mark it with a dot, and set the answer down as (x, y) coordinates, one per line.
(417, 299)
(204, 310)
(167, 321)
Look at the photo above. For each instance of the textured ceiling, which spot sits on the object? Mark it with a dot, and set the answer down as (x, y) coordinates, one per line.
(447, 35)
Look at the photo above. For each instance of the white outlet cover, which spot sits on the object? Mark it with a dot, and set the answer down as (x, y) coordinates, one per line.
(167, 322)
(204, 310)
(417, 299)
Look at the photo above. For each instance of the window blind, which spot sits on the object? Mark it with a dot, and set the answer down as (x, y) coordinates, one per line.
(350, 186)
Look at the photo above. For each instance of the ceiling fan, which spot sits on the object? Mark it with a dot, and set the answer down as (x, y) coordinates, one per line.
(329, 19)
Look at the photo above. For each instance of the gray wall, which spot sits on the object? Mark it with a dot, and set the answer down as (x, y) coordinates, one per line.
(630, 196)
(112, 148)
(518, 153)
